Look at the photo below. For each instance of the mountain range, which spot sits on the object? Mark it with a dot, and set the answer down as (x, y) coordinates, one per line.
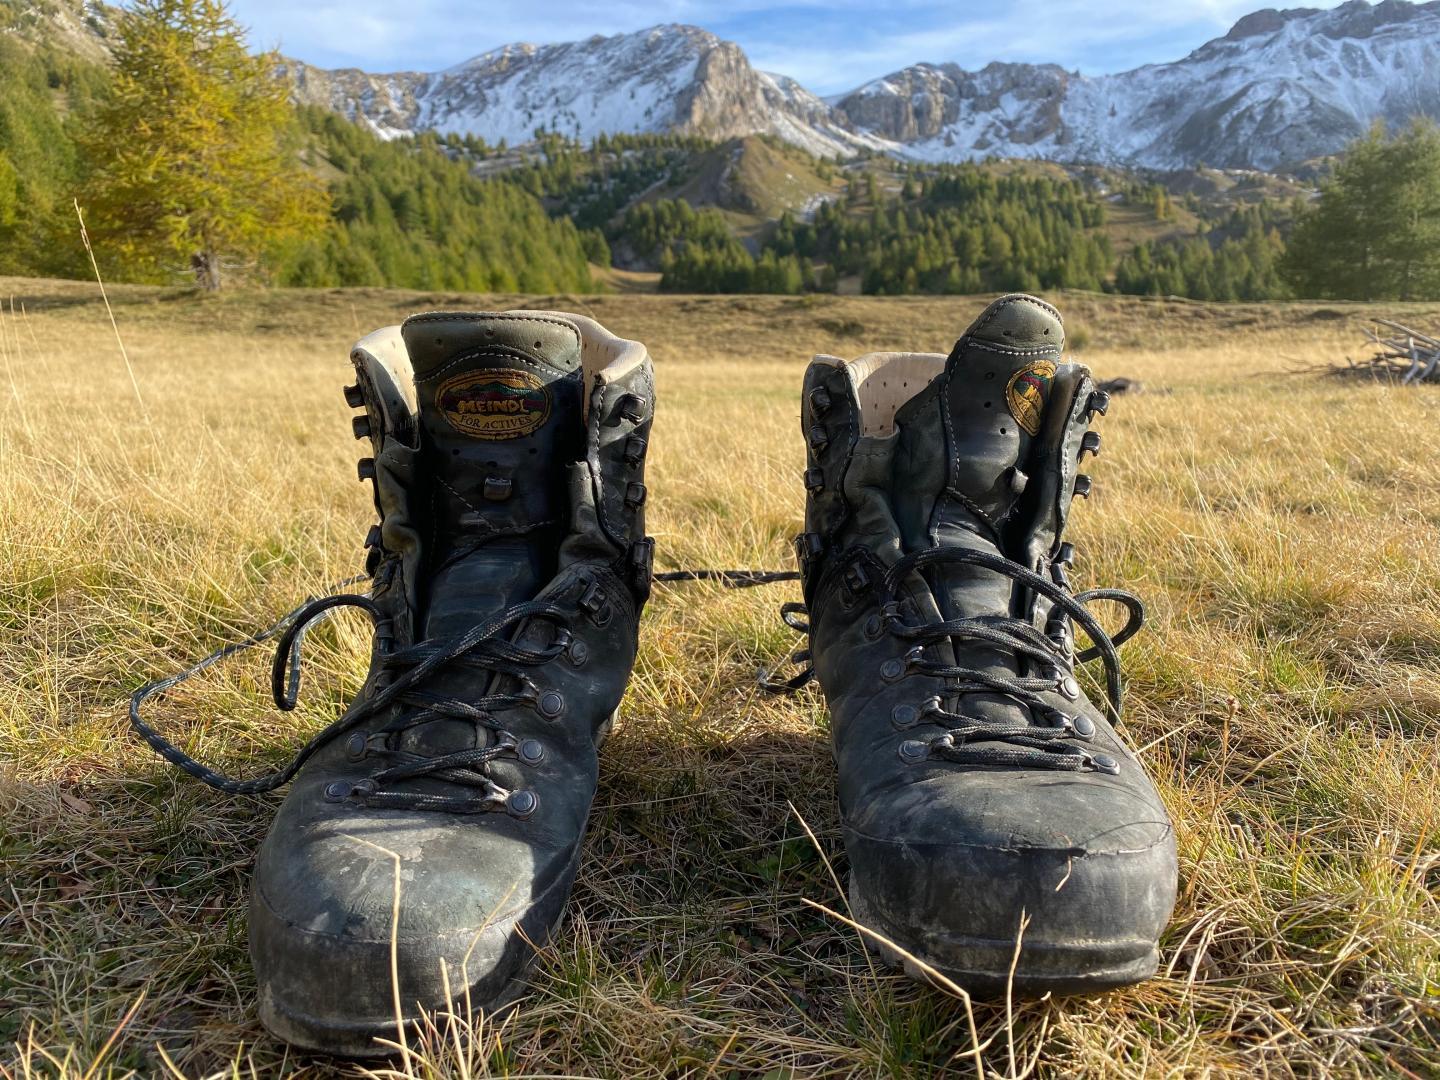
(1280, 88)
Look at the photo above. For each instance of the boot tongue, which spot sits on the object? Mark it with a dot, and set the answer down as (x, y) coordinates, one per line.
(500, 399)
(988, 406)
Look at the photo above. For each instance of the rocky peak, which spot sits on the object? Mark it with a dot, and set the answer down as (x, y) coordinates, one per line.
(1280, 88)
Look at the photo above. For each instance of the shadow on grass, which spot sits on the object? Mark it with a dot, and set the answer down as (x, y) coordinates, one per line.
(689, 898)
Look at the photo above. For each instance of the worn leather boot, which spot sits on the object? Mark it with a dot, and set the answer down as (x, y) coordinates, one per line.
(509, 568)
(979, 787)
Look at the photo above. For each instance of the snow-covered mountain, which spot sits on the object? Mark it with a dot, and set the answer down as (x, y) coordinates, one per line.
(1279, 88)
(669, 78)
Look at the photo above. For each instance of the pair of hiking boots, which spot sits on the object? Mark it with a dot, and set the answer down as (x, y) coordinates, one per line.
(978, 785)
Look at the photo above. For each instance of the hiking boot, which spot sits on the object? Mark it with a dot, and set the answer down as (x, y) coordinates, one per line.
(433, 836)
(982, 793)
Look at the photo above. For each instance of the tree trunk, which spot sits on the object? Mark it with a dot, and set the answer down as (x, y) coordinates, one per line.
(206, 268)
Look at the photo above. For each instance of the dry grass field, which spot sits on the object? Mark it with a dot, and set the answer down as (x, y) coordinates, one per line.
(1282, 528)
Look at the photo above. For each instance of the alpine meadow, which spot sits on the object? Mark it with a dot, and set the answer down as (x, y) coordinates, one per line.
(834, 757)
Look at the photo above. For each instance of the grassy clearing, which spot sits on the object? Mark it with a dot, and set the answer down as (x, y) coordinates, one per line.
(1281, 528)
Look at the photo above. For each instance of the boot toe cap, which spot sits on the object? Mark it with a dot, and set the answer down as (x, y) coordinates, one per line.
(330, 942)
(951, 884)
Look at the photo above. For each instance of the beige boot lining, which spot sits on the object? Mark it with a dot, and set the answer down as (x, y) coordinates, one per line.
(387, 362)
(885, 381)
(600, 350)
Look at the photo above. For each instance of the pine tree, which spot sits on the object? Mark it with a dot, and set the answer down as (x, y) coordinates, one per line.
(191, 163)
(1375, 232)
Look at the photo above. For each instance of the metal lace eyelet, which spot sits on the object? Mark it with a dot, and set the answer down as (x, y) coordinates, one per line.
(904, 716)
(595, 603)
(551, 704)
(913, 751)
(631, 407)
(338, 789)
(1084, 726)
(874, 627)
(521, 804)
(856, 578)
(1105, 763)
(892, 669)
(531, 752)
(1064, 642)
(1069, 687)
(578, 652)
(356, 745)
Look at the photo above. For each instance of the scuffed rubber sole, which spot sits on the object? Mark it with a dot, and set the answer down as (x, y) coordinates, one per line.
(981, 966)
(370, 1038)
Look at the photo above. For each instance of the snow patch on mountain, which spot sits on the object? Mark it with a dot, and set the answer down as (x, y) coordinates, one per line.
(669, 78)
(1280, 88)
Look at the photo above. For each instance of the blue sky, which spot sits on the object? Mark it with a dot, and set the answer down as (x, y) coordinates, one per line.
(829, 45)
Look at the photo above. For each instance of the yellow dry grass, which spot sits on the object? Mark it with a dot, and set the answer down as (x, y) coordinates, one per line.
(1285, 695)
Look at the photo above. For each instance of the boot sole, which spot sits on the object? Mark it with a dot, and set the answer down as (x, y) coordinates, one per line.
(363, 1039)
(981, 966)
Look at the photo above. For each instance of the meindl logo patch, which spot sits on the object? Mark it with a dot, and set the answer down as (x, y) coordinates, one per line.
(1025, 393)
(494, 403)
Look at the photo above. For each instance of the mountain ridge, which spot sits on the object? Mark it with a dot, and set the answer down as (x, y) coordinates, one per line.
(1280, 88)
(669, 78)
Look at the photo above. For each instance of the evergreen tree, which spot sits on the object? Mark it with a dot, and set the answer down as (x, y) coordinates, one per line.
(43, 90)
(408, 214)
(190, 158)
(1375, 232)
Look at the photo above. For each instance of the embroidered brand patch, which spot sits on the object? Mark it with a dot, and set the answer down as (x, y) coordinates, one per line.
(495, 403)
(1025, 393)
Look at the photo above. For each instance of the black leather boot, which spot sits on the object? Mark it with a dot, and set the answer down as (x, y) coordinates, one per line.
(977, 783)
(509, 569)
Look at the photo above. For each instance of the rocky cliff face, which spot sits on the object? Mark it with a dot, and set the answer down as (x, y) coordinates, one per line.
(82, 26)
(388, 104)
(669, 78)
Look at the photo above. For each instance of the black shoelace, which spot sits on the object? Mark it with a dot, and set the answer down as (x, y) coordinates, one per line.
(397, 680)
(969, 740)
